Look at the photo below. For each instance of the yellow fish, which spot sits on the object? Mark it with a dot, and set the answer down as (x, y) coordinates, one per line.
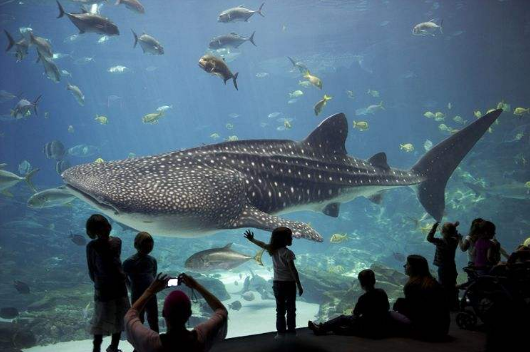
(477, 114)
(99, 161)
(439, 116)
(338, 238)
(459, 120)
(233, 138)
(490, 110)
(153, 118)
(304, 84)
(373, 93)
(350, 94)
(229, 126)
(449, 106)
(407, 147)
(320, 105)
(360, 125)
(425, 229)
(215, 136)
(287, 124)
(443, 127)
(527, 184)
(314, 80)
(521, 111)
(505, 107)
(103, 120)
(296, 94)
(429, 115)
(71, 129)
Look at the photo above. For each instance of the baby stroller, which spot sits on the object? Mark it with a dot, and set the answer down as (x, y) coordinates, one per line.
(485, 295)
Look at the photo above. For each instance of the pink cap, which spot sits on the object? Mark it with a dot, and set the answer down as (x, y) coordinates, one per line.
(177, 306)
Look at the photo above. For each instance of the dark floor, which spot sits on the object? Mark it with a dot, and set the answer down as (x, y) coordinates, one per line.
(458, 340)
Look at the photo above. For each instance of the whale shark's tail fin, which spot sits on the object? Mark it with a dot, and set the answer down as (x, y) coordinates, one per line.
(61, 10)
(438, 164)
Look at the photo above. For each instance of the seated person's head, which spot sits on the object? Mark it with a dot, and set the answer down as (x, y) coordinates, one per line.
(177, 309)
(144, 243)
(417, 266)
(487, 229)
(520, 256)
(98, 226)
(367, 279)
(449, 229)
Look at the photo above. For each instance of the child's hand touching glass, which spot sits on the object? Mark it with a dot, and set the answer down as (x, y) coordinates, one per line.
(249, 235)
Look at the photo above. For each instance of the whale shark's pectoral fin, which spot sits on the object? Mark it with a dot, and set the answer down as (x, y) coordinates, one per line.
(376, 198)
(332, 210)
(252, 217)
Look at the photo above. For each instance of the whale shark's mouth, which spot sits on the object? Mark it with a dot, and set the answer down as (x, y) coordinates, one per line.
(94, 201)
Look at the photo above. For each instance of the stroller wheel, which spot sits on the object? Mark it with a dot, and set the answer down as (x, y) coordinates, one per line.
(466, 320)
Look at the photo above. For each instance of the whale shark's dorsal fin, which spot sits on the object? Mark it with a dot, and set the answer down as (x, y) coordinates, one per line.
(330, 135)
(228, 246)
(379, 160)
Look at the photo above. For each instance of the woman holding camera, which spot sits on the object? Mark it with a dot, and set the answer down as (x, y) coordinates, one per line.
(176, 312)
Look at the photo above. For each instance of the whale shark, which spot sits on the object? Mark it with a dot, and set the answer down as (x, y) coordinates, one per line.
(250, 183)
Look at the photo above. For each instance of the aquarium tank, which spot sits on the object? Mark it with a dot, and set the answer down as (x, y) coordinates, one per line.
(356, 123)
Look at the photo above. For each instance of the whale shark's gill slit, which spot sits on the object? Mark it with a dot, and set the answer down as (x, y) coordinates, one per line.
(96, 201)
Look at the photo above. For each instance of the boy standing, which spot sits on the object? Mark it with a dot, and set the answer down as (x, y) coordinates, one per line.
(141, 270)
(105, 270)
(370, 316)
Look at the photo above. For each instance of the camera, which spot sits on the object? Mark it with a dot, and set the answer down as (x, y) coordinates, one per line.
(175, 281)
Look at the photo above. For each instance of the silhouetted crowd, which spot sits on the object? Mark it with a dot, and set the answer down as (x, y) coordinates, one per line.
(497, 293)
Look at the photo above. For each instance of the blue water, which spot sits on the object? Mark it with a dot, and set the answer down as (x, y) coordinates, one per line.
(480, 59)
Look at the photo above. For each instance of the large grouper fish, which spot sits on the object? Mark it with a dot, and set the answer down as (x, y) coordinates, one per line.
(238, 184)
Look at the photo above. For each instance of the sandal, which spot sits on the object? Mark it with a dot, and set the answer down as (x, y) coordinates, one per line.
(317, 329)
(112, 349)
